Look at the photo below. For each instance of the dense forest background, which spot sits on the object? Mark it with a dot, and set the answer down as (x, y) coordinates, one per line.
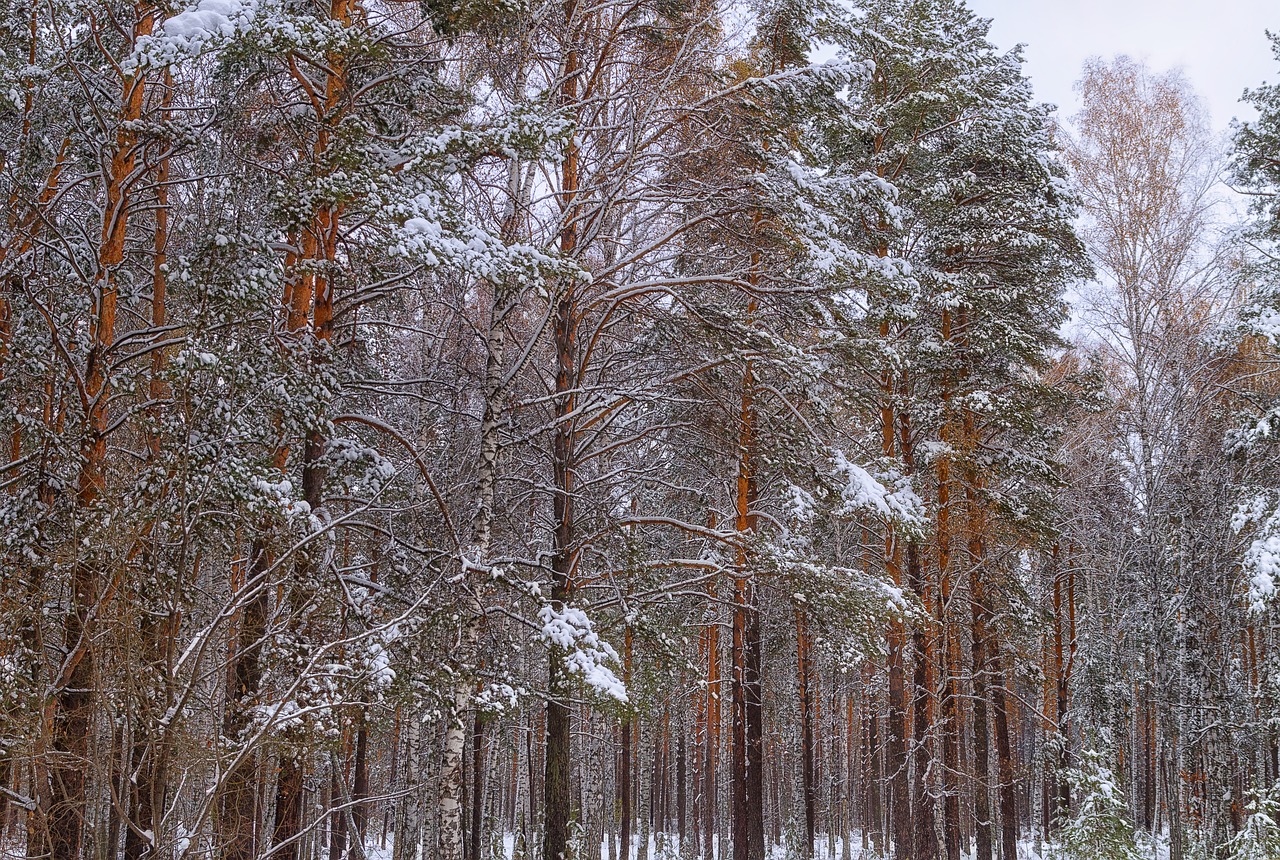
(474, 429)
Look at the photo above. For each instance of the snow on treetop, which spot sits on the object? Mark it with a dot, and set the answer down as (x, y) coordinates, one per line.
(194, 30)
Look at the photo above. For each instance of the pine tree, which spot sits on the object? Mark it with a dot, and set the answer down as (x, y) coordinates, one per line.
(1100, 826)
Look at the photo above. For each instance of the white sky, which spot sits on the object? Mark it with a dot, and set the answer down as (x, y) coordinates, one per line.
(1220, 44)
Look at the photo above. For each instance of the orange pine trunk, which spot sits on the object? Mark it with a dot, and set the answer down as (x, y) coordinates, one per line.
(72, 720)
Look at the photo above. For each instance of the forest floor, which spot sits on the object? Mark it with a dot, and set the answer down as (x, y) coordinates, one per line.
(824, 849)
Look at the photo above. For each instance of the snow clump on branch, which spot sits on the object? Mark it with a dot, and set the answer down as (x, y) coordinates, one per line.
(1262, 558)
(891, 496)
(586, 654)
(194, 31)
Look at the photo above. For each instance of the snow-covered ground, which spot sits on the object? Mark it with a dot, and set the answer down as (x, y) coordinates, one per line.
(824, 849)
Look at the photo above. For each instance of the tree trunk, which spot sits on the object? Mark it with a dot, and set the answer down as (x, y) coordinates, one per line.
(237, 806)
(360, 786)
(755, 733)
(556, 788)
(624, 786)
(925, 842)
(477, 785)
(804, 677)
(475, 559)
(337, 821)
(710, 793)
(950, 722)
(748, 751)
(147, 764)
(680, 786)
(288, 825)
(625, 801)
(1004, 759)
(982, 663)
(899, 788)
(288, 819)
(72, 710)
(873, 822)
(925, 836)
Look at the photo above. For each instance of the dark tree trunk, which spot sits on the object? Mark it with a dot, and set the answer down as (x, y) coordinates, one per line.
(804, 673)
(874, 821)
(556, 786)
(556, 780)
(477, 785)
(360, 787)
(981, 696)
(140, 792)
(747, 777)
(1004, 759)
(337, 821)
(925, 838)
(899, 786)
(709, 790)
(680, 787)
(72, 723)
(755, 739)
(556, 789)
(624, 789)
(951, 745)
(237, 807)
(288, 821)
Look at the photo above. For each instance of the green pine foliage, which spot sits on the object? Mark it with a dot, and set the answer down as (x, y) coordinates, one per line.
(1259, 839)
(1099, 827)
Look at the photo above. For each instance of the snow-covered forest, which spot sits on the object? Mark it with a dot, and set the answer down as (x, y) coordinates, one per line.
(628, 430)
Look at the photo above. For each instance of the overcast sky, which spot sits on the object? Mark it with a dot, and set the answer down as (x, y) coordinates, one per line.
(1220, 44)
